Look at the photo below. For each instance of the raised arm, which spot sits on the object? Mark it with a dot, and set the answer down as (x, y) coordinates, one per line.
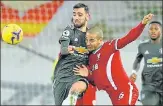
(132, 35)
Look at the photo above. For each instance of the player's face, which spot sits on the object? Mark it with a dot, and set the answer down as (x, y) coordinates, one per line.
(92, 41)
(80, 17)
(154, 31)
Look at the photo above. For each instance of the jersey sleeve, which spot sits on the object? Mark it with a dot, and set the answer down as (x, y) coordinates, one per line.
(65, 41)
(65, 35)
(139, 56)
(133, 34)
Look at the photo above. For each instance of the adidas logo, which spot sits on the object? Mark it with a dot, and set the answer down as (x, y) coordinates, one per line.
(146, 52)
(76, 39)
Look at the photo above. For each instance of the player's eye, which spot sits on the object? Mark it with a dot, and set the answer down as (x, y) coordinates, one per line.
(151, 29)
(92, 40)
(86, 40)
(74, 13)
(156, 28)
(80, 14)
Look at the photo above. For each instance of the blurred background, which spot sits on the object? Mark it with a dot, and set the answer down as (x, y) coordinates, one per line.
(26, 69)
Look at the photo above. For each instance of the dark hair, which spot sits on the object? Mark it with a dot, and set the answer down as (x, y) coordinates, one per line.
(81, 5)
(155, 22)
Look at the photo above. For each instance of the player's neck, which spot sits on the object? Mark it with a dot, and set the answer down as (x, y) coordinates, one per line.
(83, 29)
(157, 41)
(98, 48)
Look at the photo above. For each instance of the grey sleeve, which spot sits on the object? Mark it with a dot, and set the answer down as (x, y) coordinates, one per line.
(65, 41)
(139, 56)
(64, 47)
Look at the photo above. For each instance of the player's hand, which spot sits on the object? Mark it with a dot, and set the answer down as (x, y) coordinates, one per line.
(147, 18)
(133, 77)
(81, 70)
(71, 49)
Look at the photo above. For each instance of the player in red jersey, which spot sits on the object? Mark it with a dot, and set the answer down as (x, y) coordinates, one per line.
(106, 69)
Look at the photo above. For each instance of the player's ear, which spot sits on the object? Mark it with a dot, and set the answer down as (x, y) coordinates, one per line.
(88, 16)
(101, 39)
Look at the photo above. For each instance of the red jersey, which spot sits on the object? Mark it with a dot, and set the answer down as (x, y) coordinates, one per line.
(107, 69)
(107, 72)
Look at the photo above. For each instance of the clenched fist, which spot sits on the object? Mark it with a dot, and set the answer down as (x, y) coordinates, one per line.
(71, 49)
(133, 77)
(147, 18)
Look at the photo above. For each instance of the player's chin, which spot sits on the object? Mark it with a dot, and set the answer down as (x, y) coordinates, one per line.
(154, 38)
(90, 50)
(78, 25)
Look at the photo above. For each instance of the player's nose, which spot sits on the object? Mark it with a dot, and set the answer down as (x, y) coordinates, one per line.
(76, 18)
(88, 43)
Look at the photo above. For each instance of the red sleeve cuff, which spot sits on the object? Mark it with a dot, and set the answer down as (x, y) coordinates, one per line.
(141, 25)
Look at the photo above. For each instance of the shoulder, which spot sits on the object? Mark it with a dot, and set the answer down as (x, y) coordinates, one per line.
(144, 43)
(111, 41)
(68, 30)
(70, 27)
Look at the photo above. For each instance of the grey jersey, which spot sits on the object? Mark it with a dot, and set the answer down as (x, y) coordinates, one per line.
(152, 73)
(64, 69)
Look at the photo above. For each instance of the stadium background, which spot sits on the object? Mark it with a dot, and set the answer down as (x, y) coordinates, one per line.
(26, 69)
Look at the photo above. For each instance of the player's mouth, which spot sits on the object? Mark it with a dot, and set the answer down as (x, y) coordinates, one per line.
(77, 22)
(153, 35)
(89, 48)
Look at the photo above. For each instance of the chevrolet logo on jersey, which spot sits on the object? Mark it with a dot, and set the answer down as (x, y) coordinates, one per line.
(154, 60)
(81, 50)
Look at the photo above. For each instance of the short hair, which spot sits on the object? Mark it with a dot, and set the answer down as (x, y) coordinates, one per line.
(81, 5)
(155, 22)
(96, 30)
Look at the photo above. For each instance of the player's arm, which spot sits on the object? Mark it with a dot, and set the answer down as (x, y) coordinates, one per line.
(136, 65)
(65, 41)
(132, 35)
(54, 65)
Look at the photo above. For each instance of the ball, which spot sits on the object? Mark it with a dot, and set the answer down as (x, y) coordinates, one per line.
(12, 34)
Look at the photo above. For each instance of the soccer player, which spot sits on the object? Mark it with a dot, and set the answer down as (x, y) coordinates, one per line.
(67, 87)
(152, 75)
(105, 67)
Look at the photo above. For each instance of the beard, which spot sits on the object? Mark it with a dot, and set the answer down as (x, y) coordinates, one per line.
(79, 25)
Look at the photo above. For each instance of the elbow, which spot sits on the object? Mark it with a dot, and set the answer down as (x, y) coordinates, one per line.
(136, 66)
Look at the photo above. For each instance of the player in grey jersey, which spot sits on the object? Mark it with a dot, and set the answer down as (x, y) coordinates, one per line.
(67, 86)
(152, 74)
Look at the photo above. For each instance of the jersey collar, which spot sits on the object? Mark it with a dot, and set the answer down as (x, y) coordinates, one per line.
(95, 51)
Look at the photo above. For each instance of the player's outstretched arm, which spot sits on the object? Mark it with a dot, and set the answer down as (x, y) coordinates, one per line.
(136, 65)
(134, 33)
